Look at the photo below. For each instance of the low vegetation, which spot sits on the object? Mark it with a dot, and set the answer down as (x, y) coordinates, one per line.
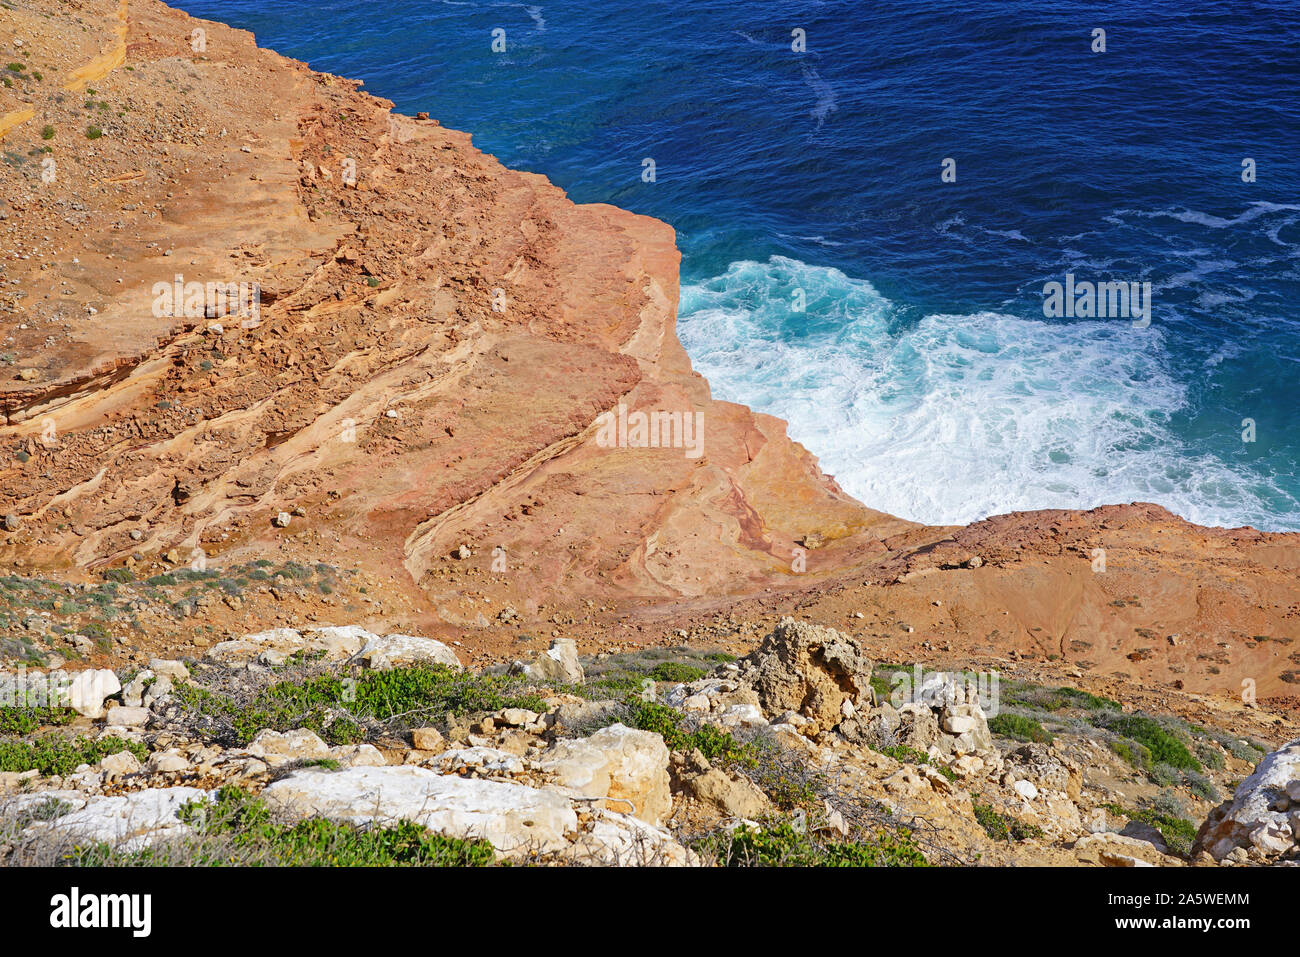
(784, 844)
(60, 754)
(347, 709)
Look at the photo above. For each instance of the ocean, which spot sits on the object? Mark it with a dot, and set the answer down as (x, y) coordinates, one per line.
(871, 198)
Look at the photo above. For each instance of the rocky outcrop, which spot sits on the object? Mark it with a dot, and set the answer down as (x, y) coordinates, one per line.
(1262, 820)
(517, 820)
(813, 671)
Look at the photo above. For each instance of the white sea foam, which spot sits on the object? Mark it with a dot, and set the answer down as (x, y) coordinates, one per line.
(956, 417)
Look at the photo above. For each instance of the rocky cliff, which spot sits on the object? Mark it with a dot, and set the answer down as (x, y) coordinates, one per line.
(249, 313)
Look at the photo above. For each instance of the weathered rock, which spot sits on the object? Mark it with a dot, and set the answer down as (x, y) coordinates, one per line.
(277, 644)
(1248, 819)
(622, 840)
(115, 765)
(89, 689)
(968, 728)
(514, 818)
(627, 766)
(577, 713)
(279, 747)
(358, 756)
(130, 821)
(165, 762)
(480, 761)
(397, 651)
(737, 797)
(1117, 850)
(559, 664)
(427, 739)
(809, 669)
(1047, 768)
(918, 726)
(171, 668)
(121, 717)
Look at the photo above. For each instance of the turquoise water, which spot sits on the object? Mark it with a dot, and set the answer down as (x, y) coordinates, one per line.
(921, 370)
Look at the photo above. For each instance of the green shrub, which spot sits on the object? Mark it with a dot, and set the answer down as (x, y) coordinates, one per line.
(93, 132)
(676, 672)
(1132, 752)
(1201, 785)
(56, 754)
(339, 708)
(1178, 832)
(1001, 827)
(1163, 745)
(904, 755)
(1019, 728)
(783, 845)
(667, 722)
(47, 132)
(19, 721)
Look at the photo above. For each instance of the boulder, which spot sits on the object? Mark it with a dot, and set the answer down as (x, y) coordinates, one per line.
(559, 664)
(967, 728)
(918, 726)
(427, 739)
(627, 766)
(735, 797)
(121, 717)
(276, 645)
(515, 819)
(1257, 817)
(171, 668)
(280, 747)
(809, 669)
(88, 690)
(398, 651)
(358, 756)
(116, 765)
(166, 762)
(1109, 849)
(1048, 768)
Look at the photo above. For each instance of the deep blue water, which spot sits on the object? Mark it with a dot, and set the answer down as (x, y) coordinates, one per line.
(923, 371)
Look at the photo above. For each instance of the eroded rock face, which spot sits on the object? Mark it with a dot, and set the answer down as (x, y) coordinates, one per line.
(1261, 817)
(808, 669)
(516, 819)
